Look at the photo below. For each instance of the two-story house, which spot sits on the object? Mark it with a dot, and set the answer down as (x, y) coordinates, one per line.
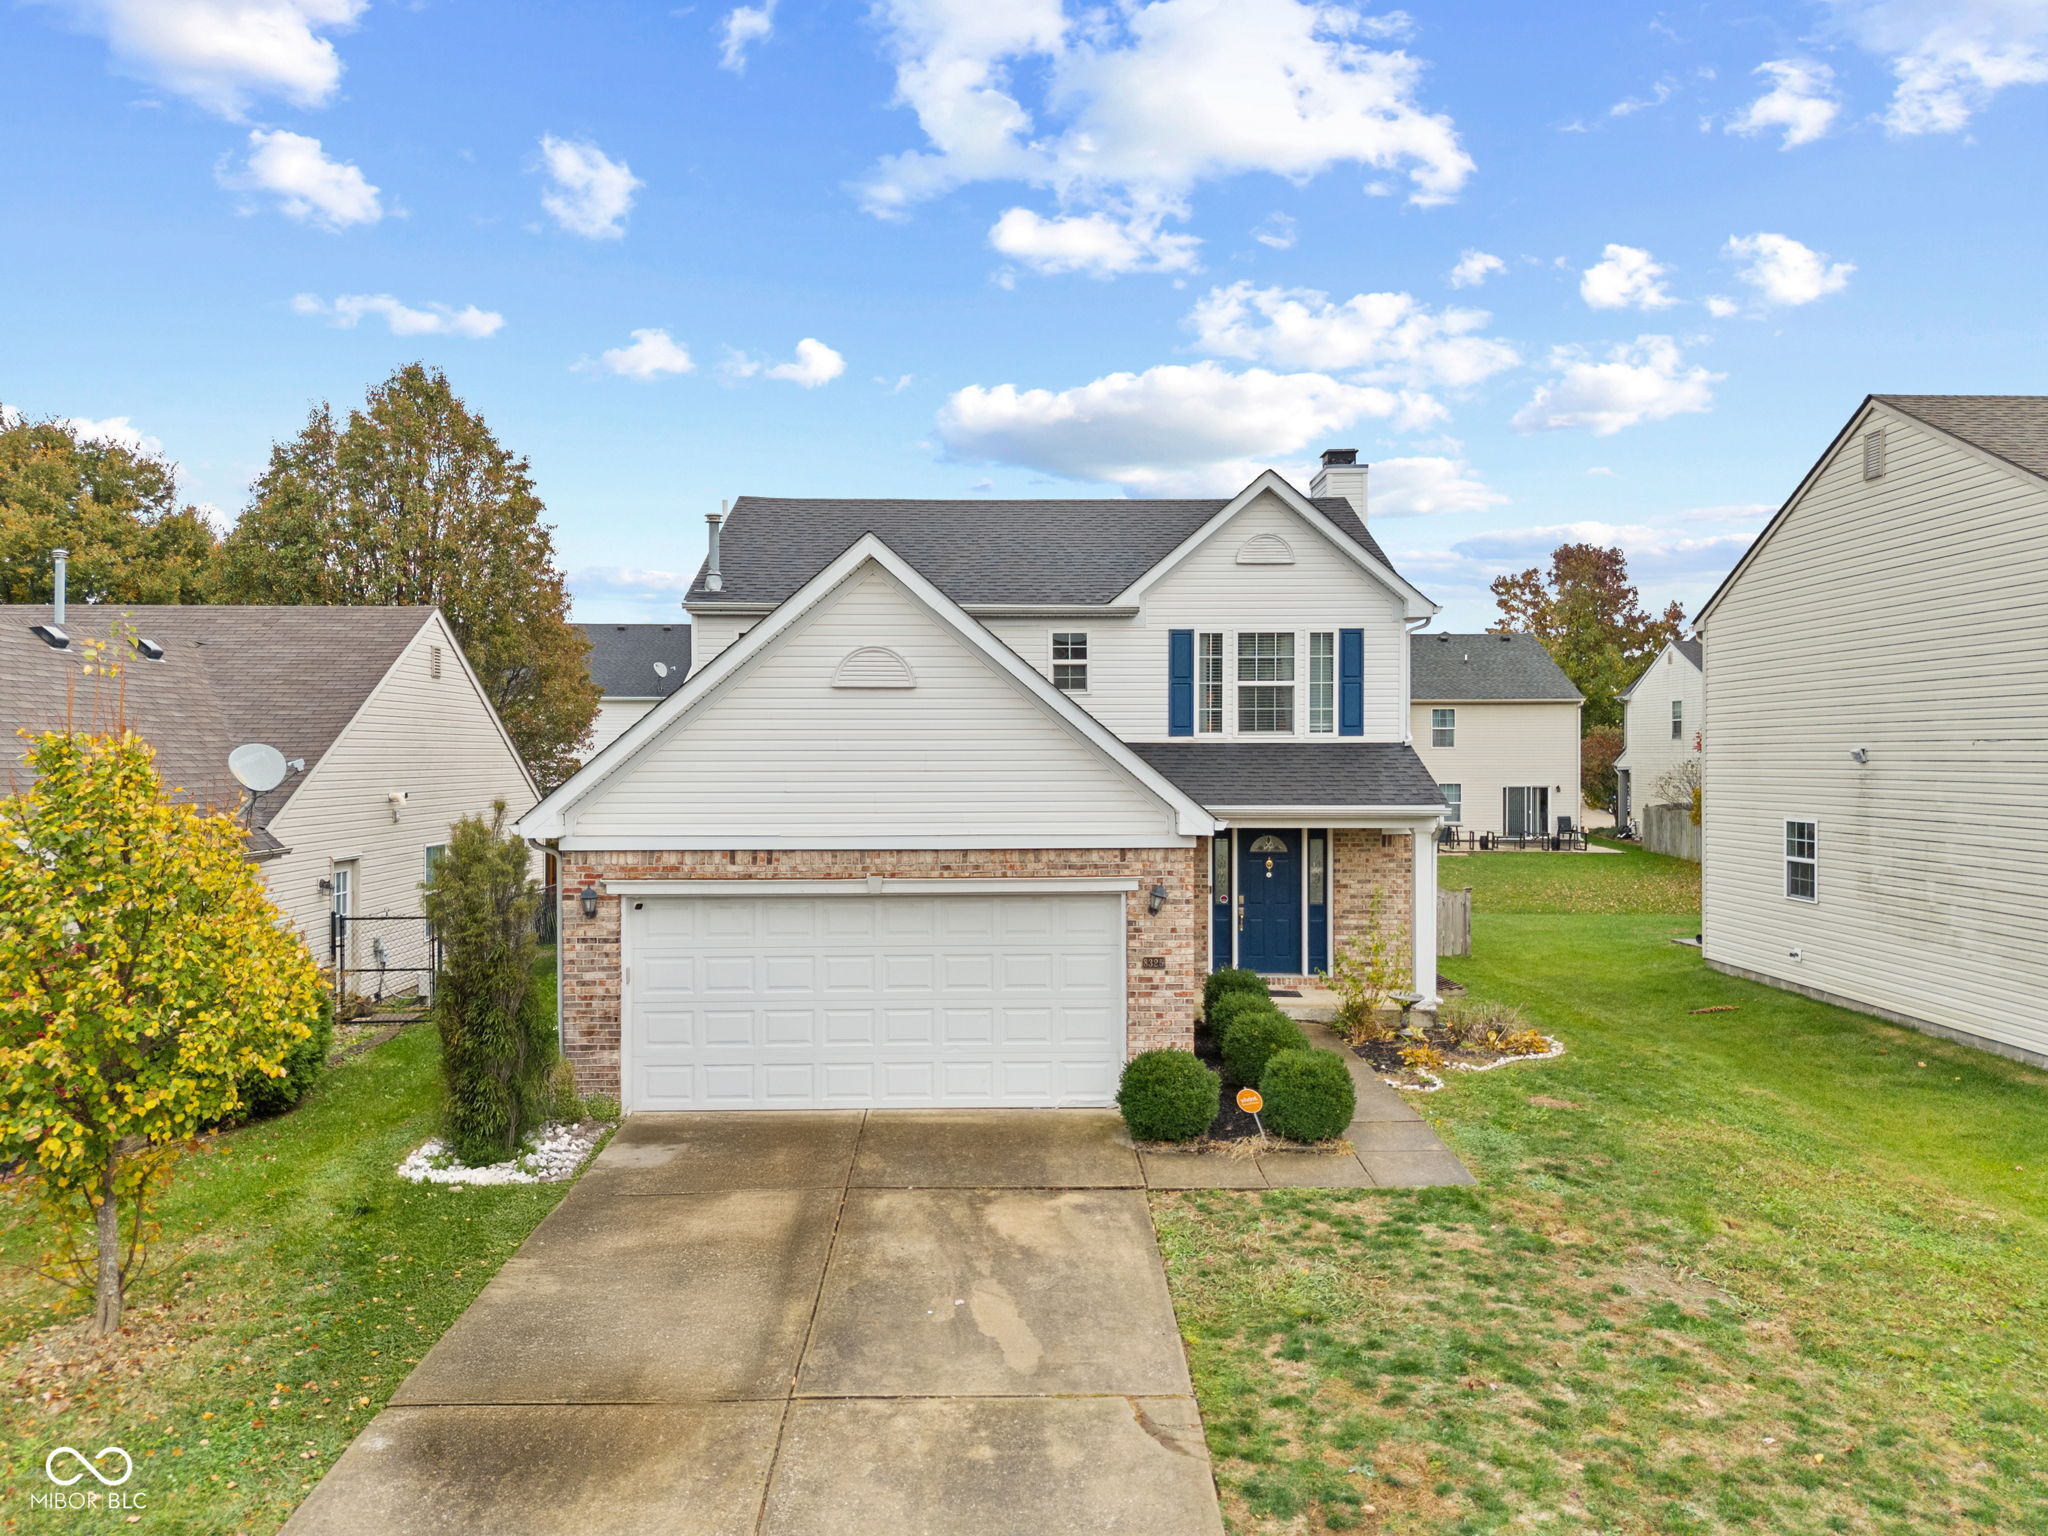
(1496, 723)
(1664, 714)
(962, 799)
(1877, 703)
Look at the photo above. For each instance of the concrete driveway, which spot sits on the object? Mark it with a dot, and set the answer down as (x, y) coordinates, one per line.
(795, 1324)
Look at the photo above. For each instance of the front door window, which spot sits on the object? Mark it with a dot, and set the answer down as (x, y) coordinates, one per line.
(1269, 902)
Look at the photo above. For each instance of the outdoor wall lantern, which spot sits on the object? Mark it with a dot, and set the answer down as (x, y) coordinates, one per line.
(589, 900)
(1156, 902)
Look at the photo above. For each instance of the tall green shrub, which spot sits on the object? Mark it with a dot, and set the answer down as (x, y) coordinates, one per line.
(1231, 1007)
(1309, 1096)
(1231, 979)
(497, 1043)
(1168, 1096)
(305, 1063)
(1254, 1037)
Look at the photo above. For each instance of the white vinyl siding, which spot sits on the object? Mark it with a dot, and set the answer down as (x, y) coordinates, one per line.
(1501, 745)
(711, 633)
(432, 738)
(777, 757)
(1669, 692)
(1906, 616)
(613, 718)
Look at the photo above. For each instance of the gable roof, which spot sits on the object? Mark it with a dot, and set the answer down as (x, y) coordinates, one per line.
(624, 658)
(2011, 427)
(1692, 648)
(1052, 552)
(1485, 667)
(549, 818)
(290, 677)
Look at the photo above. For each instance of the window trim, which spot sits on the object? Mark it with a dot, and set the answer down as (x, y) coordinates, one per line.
(1322, 691)
(1070, 663)
(1210, 648)
(1678, 719)
(1443, 726)
(1811, 862)
(1291, 683)
(1454, 798)
(1216, 683)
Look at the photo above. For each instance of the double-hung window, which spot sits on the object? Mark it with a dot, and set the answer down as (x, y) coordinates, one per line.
(1677, 719)
(1209, 683)
(1070, 660)
(1322, 683)
(1802, 860)
(1443, 727)
(1454, 797)
(1265, 683)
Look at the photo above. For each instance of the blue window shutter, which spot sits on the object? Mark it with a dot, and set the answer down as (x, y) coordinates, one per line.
(1350, 682)
(1180, 682)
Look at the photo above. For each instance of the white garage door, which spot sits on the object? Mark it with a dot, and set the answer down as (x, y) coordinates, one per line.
(794, 1002)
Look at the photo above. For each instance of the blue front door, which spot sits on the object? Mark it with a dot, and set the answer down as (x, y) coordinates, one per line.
(1269, 890)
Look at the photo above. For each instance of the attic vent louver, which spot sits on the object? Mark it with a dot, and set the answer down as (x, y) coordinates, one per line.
(1873, 454)
(873, 666)
(1265, 549)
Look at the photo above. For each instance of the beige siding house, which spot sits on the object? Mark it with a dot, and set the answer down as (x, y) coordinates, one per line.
(1877, 678)
(1496, 722)
(1663, 729)
(388, 737)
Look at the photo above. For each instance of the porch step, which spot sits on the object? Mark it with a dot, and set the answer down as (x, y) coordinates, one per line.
(1316, 1005)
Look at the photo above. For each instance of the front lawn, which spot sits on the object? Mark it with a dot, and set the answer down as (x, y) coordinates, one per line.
(1628, 879)
(301, 1281)
(1775, 1269)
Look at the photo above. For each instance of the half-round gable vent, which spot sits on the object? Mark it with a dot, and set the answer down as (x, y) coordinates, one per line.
(873, 666)
(1265, 549)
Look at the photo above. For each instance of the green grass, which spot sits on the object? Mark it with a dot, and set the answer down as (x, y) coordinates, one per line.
(1627, 880)
(293, 1257)
(1781, 1269)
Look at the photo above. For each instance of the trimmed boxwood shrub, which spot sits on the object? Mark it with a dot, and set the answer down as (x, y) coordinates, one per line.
(1168, 1096)
(1230, 979)
(1231, 1007)
(1253, 1037)
(1308, 1095)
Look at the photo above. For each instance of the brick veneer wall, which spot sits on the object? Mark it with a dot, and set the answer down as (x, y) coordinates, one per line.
(1162, 1003)
(1362, 865)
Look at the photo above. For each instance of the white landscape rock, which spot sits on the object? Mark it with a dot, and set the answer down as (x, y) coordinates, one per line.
(560, 1152)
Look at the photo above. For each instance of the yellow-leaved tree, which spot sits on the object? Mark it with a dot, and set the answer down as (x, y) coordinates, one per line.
(143, 970)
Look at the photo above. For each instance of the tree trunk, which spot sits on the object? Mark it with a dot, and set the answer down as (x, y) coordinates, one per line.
(107, 1290)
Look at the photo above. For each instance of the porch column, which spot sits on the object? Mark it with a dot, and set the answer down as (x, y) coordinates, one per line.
(1424, 883)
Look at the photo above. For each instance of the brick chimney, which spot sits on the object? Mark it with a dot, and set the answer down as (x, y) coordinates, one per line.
(1342, 475)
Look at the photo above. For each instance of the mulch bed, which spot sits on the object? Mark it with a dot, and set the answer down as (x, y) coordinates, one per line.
(1231, 1123)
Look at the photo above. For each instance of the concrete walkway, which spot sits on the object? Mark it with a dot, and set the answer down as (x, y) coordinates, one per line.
(809, 1324)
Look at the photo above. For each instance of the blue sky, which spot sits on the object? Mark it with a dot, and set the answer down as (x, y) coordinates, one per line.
(1592, 271)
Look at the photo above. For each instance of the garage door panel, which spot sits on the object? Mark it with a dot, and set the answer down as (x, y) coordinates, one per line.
(846, 1001)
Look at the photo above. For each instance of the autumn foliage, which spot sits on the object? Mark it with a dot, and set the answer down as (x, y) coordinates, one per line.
(1589, 617)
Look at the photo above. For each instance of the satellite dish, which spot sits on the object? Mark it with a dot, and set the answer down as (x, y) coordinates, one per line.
(257, 768)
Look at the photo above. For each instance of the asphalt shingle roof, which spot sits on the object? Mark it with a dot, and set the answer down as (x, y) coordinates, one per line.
(2014, 427)
(289, 677)
(638, 661)
(1331, 774)
(1693, 650)
(1050, 551)
(1478, 667)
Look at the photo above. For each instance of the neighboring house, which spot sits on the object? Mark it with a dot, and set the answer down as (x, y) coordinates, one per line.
(961, 800)
(388, 737)
(1877, 680)
(635, 667)
(1496, 722)
(1663, 724)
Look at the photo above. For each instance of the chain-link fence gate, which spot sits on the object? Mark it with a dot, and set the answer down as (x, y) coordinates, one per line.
(385, 962)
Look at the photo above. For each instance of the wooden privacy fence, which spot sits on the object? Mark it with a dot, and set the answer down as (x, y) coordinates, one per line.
(1669, 829)
(1454, 921)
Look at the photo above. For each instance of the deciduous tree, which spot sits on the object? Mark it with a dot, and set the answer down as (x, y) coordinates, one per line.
(413, 500)
(143, 971)
(1591, 619)
(1598, 750)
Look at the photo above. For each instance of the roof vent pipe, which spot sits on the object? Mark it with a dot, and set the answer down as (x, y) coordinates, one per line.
(714, 580)
(58, 557)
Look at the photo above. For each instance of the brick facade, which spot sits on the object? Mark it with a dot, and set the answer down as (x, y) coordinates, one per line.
(1364, 864)
(1162, 1002)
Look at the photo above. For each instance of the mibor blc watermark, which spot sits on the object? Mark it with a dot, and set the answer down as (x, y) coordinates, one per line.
(66, 1466)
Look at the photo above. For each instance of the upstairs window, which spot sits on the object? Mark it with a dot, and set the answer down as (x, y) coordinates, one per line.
(1265, 683)
(1209, 684)
(1322, 683)
(1070, 660)
(1443, 727)
(1802, 860)
(1677, 719)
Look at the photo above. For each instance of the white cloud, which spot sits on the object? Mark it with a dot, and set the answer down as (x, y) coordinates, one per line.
(1097, 243)
(1131, 107)
(1387, 338)
(1784, 271)
(1720, 306)
(308, 186)
(744, 26)
(1174, 429)
(1417, 487)
(1276, 231)
(115, 431)
(1655, 552)
(1625, 278)
(814, 364)
(652, 355)
(627, 594)
(1644, 380)
(348, 310)
(592, 193)
(1474, 268)
(1950, 57)
(1801, 101)
(1660, 93)
(223, 54)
